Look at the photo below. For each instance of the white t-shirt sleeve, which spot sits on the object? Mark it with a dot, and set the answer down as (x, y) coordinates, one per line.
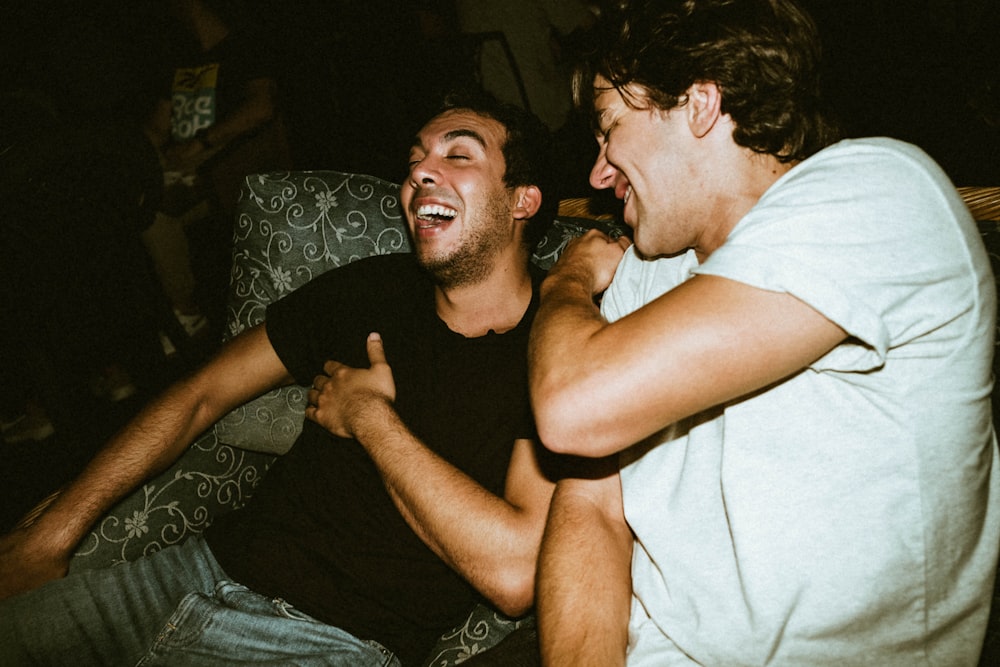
(813, 234)
(638, 281)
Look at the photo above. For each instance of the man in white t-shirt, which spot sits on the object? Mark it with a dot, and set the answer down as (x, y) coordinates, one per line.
(789, 374)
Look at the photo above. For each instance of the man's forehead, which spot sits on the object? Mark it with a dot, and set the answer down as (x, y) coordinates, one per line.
(606, 98)
(455, 124)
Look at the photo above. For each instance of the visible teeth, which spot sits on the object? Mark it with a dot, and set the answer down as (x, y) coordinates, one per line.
(628, 193)
(436, 210)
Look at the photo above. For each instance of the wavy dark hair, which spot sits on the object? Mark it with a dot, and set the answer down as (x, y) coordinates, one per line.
(527, 152)
(763, 55)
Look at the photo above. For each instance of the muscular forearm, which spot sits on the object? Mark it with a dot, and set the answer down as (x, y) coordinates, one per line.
(41, 551)
(584, 580)
(159, 434)
(149, 444)
(486, 539)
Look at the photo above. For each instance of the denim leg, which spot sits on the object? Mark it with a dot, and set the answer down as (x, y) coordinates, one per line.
(104, 617)
(175, 607)
(236, 626)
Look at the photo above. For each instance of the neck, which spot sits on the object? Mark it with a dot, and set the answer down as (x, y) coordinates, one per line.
(747, 186)
(496, 303)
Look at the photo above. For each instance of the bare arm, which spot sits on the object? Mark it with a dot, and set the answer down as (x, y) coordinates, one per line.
(491, 541)
(584, 575)
(152, 441)
(708, 341)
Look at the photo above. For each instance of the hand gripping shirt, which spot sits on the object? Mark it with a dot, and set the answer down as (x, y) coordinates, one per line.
(849, 514)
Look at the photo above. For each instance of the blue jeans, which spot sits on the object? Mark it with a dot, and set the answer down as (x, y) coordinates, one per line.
(175, 607)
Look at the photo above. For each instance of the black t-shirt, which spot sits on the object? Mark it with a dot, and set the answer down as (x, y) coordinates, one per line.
(322, 532)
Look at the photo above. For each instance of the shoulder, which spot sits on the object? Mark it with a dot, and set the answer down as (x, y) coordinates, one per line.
(378, 268)
(394, 276)
(869, 170)
(878, 188)
(393, 272)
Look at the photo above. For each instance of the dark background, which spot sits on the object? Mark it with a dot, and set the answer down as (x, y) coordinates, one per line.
(355, 77)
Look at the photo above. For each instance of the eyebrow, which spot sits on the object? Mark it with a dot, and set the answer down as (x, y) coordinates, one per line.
(455, 134)
(472, 134)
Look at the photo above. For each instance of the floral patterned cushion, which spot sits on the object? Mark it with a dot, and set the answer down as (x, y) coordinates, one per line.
(481, 631)
(211, 478)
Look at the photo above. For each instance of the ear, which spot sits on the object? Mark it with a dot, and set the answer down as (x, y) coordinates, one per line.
(527, 200)
(704, 107)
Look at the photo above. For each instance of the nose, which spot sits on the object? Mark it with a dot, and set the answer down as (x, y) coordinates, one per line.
(424, 172)
(602, 174)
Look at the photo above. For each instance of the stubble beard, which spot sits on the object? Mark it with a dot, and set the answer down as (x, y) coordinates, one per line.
(474, 259)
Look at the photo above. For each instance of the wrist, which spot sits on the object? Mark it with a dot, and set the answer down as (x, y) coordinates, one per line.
(370, 412)
(42, 544)
(567, 283)
(58, 529)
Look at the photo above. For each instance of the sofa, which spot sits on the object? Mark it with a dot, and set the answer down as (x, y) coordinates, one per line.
(289, 228)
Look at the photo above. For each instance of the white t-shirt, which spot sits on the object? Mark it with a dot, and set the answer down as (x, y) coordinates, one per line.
(848, 515)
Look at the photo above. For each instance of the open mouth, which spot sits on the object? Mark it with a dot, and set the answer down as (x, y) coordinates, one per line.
(432, 215)
(628, 193)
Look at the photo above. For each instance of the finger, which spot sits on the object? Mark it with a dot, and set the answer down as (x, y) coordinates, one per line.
(376, 351)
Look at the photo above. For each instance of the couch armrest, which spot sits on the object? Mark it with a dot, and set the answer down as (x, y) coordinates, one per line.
(210, 479)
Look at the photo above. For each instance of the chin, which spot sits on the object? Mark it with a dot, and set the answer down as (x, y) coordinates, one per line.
(640, 245)
(645, 251)
(642, 254)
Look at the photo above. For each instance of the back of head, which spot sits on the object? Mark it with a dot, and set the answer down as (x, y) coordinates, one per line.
(762, 54)
(527, 152)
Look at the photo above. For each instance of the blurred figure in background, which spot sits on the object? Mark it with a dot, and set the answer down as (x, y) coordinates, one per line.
(214, 123)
